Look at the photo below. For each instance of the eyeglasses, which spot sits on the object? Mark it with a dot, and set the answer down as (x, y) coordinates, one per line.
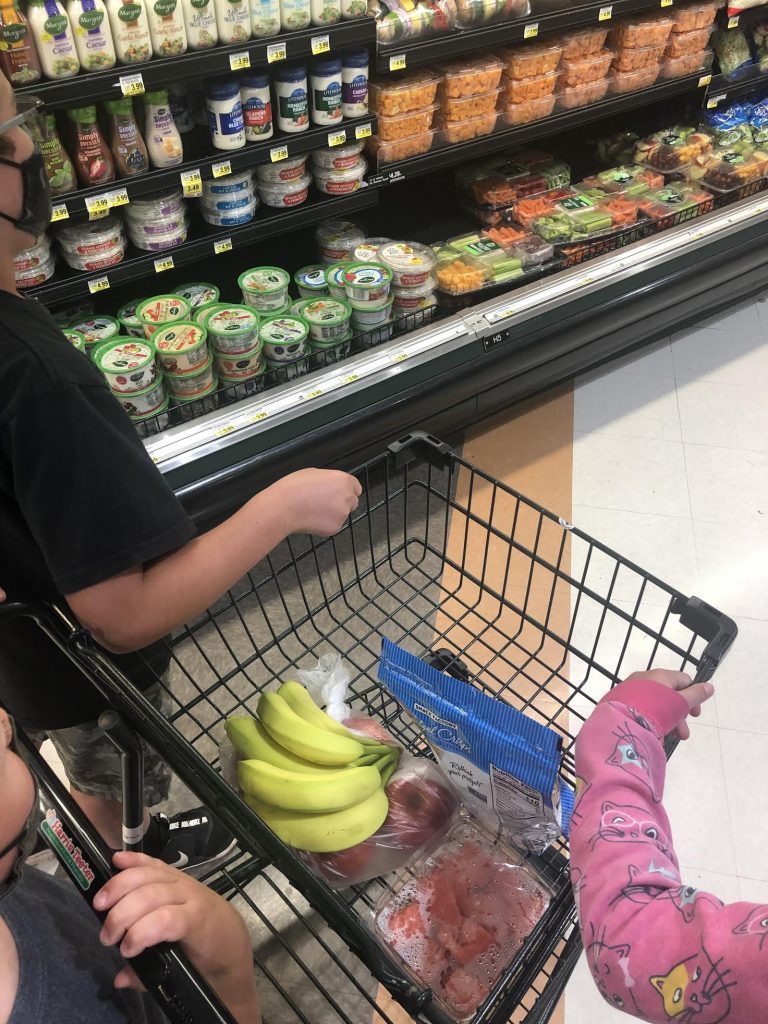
(26, 108)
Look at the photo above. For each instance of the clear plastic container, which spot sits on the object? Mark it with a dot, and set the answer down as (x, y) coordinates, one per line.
(532, 60)
(532, 251)
(520, 90)
(461, 131)
(690, 17)
(677, 67)
(410, 263)
(284, 170)
(631, 81)
(722, 171)
(402, 149)
(286, 194)
(339, 157)
(578, 71)
(583, 41)
(633, 58)
(336, 239)
(650, 30)
(672, 149)
(230, 218)
(471, 77)
(678, 197)
(99, 261)
(401, 126)
(473, 13)
(90, 239)
(528, 110)
(398, 96)
(629, 180)
(469, 106)
(341, 183)
(580, 96)
(682, 43)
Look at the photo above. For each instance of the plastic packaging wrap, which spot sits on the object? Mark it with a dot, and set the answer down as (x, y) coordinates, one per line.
(731, 49)
(731, 126)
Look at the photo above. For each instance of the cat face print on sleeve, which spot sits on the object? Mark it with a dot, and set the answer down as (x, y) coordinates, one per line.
(695, 990)
(623, 823)
(630, 754)
(755, 923)
(610, 969)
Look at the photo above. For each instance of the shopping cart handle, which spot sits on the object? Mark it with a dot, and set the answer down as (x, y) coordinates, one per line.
(418, 445)
(719, 630)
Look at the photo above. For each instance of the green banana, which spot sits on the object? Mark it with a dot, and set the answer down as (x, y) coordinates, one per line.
(252, 741)
(387, 773)
(325, 833)
(301, 737)
(297, 698)
(368, 759)
(293, 791)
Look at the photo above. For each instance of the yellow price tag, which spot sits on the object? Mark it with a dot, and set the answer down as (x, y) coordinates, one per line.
(220, 169)
(59, 212)
(320, 44)
(191, 183)
(363, 131)
(223, 431)
(132, 85)
(118, 198)
(397, 63)
(275, 52)
(733, 22)
(667, 3)
(398, 357)
(163, 263)
(311, 394)
(278, 153)
(605, 13)
(337, 138)
(98, 284)
(97, 207)
(257, 417)
(223, 245)
(350, 378)
(239, 61)
(531, 31)
(715, 101)
(704, 80)
(587, 280)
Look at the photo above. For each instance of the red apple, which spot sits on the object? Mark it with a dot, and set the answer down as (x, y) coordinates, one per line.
(369, 727)
(347, 867)
(419, 810)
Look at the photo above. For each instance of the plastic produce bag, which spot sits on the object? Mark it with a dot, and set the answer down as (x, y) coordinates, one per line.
(328, 684)
(760, 42)
(731, 49)
(759, 121)
(737, 6)
(731, 126)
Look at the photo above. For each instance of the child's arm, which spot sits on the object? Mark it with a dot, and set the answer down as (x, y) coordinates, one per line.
(657, 949)
(149, 902)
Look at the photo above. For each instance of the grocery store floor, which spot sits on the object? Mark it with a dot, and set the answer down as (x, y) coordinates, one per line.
(664, 456)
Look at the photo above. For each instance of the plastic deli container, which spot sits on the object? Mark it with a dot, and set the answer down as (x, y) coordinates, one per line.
(75, 339)
(127, 365)
(191, 407)
(161, 309)
(334, 275)
(532, 251)
(418, 297)
(532, 61)
(181, 348)
(366, 316)
(129, 322)
(265, 288)
(723, 171)
(311, 281)
(287, 193)
(284, 170)
(339, 158)
(333, 352)
(153, 423)
(460, 109)
(230, 185)
(230, 218)
(228, 203)
(642, 32)
(412, 92)
(284, 338)
(97, 329)
(239, 367)
(519, 90)
(198, 293)
(672, 148)
(191, 385)
(578, 71)
(148, 402)
(235, 389)
(402, 149)
(367, 284)
(529, 110)
(634, 58)
(583, 42)
(341, 183)
(629, 180)
(631, 81)
(471, 77)
(108, 258)
(160, 205)
(580, 96)
(690, 17)
(91, 239)
(368, 250)
(376, 335)
(336, 239)
(676, 67)
(682, 43)
(462, 131)
(160, 241)
(402, 126)
(36, 275)
(457, 918)
(677, 199)
(201, 314)
(411, 263)
(328, 319)
(33, 257)
(233, 329)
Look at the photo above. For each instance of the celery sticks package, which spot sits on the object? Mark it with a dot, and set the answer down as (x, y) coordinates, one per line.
(503, 764)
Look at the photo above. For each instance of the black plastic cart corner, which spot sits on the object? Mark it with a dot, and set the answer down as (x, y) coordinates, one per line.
(450, 563)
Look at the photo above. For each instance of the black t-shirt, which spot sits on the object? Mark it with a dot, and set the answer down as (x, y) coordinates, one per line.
(80, 502)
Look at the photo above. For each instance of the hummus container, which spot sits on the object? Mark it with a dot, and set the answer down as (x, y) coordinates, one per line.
(201, 314)
(286, 193)
(367, 251)
(265, 288)
(288, 370)
(156, 206)
(97, 329)
(143, 403)
(293, 308)
(242, 182)
(238, 367)
(365, 317)
(233, 201)
(150, 228)
(339, 349)
(284, 338)
(233, 329)
(153, 422)
(91, 239)
(334, 275)
(98, 261)
(181, 347)
(199, 293)
(75, 338)
(284, 170)
(235, 390)
(410, 262)
(338, 158)
(341, 183)
(33, 257)
(367, 284)
(336, 239)
(36, 275)
(419, 297)
(197, 405)
(161, 309)
(328, 319)
(311, 281)
(191, 385)
(129, 322)
(127, 364)
(159, 242)
(230, 218)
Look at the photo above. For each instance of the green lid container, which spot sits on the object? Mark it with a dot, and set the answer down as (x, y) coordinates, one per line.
(311, 281)
(127, 363)
(199, 293)
(201, 314)
(129, 322)
(233, 328)
(265, 288)
(75, 338)
(328, 318)
(97, 329)
(161, 309)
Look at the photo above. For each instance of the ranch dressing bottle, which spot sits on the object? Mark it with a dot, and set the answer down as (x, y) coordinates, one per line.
(53, 37)
(161, 135)
(200, 23)
(233, 19)
(130, 30)
(166, 26)
(93, 36)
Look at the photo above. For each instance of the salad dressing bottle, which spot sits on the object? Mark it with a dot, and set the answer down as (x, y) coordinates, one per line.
(18, 56)
(53, 37)
(130, 30)
(93, 36)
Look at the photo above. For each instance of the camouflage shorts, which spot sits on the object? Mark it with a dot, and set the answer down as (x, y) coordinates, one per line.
(92, 763)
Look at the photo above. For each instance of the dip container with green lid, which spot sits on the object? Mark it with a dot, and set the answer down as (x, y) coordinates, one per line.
(201, 314)
(191, 385)
(284, 338)
(236, 389)
(152, 422)
(328, 319)
(75, 338)
(143, 403)
(233, 329)
(241, 366)
(97, 329)
(128, 364)
(129, 322)
(364, 316)
(197, 405)
(334, 276)
(181, 346)
(265, 288)
(311, 281)
(198, 293)
(367, 284)
(161, 309)
(288, 370)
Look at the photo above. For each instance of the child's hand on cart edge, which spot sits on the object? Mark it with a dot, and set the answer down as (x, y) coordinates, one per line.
(694, 694)
(317, 501)
(148, 902)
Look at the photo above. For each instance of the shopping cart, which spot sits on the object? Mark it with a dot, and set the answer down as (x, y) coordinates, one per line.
(460, 569)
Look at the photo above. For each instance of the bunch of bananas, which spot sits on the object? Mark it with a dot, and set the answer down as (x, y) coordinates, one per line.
(318, 786)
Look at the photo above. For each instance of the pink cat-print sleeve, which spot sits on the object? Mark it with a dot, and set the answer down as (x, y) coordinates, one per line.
(657, 948)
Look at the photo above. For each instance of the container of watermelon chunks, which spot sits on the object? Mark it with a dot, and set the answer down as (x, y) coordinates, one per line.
(457, 918)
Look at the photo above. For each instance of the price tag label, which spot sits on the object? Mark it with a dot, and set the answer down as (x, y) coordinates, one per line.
(605, 13)
(97, 206)
(314, 393)
(59, 212)
(350, 378)
(163, 263)
(98, 284)
(275, 52)
(715, 101)
(320, 44)
(398, 357)
(586, 280)
(337, 138)
(278, 153)
(223, 245)
(257, 417)
(733, 22)
(118, 198)
(363, 131)
(667, 3)
(239, 61)
(223, 431)
(397, 63)
(704, 80)
(220, 169)
(531, 31)
(191, 183)
(132, 85)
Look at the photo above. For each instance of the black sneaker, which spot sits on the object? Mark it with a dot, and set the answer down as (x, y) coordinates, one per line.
(192, 841)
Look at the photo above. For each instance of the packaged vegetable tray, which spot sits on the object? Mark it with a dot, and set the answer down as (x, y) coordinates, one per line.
(460, 109)
(643, 31)
(401, 126)
(676, 202)
(723, 171)
(682, 43)
(672, 148)
(451, 132)
(689, 17)
(583, 41)
(690, 64)
(521, 90)
(531, 60)
(415, 91)
(629, 180)
(471, 77)
(471, 13)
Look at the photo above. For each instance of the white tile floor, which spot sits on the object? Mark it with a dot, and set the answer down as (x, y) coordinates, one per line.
(671, 468)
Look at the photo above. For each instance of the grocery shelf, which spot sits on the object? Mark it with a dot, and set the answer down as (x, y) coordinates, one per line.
(727, 88)
(206, 244)
(104, 85)
(280, 147)
(445, 156)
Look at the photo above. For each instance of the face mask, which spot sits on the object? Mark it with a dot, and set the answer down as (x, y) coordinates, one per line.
(24, 843)
(36, 199)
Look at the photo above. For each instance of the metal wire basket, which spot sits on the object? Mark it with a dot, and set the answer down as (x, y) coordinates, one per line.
(448, 562)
